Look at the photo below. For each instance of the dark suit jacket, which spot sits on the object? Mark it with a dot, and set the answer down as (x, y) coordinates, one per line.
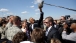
(53, 33)
(37, 24)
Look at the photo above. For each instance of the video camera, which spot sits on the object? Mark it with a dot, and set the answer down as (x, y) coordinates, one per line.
(68, 21)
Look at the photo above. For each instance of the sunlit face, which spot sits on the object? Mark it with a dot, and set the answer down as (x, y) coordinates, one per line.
(24, 24)
(31, 20)
(11, 17)
(47, 23)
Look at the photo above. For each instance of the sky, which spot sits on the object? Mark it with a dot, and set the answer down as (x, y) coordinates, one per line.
(29, 8)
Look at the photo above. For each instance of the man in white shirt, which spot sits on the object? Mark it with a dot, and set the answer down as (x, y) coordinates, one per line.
(32, 23)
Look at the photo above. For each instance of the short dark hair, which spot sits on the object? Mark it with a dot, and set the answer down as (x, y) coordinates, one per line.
(25, 20)
(54, 40)
(16, 18)
(20, 36)
(50, 19)
(64, 17)
(4, 42)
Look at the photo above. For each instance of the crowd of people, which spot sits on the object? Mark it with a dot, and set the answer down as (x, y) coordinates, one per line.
(15, 30)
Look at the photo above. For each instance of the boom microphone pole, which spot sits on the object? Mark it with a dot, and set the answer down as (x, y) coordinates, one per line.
(57, 6)
(61, 7)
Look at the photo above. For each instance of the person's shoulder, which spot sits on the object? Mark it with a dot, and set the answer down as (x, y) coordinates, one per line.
(15, 27)
(9, 28)
(53, 28)
(18, 30)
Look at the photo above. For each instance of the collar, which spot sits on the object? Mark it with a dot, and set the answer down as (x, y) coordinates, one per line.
(49, 28)
(47, 31)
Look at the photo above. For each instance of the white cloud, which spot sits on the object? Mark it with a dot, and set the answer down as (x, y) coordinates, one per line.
(36, 10)
(25, 12)
(10, 13)
(6, 12)
(32, 6)
(3, 10)
(37, 13)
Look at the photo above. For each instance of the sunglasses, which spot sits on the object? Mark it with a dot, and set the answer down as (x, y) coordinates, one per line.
(46, 22)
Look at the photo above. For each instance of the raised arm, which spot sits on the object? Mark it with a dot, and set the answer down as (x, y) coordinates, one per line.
(41, 14)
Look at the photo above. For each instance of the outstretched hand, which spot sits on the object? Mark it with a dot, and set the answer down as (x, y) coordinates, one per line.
(41, 6)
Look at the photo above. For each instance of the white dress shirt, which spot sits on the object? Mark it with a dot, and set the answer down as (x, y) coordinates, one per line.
(48, 30)
(55, 26)
(32, 26)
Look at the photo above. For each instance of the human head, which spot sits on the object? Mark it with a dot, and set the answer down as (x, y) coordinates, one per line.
(24, 24)
(55, 21)
(19, 37)
(73, 26)
(38, 35)
(11, 17)
(4, 22)
(54, 40)
(32, 20)
(25, 20)
(63, 18)
(48, 21)
(4, 42)
(17, 20)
